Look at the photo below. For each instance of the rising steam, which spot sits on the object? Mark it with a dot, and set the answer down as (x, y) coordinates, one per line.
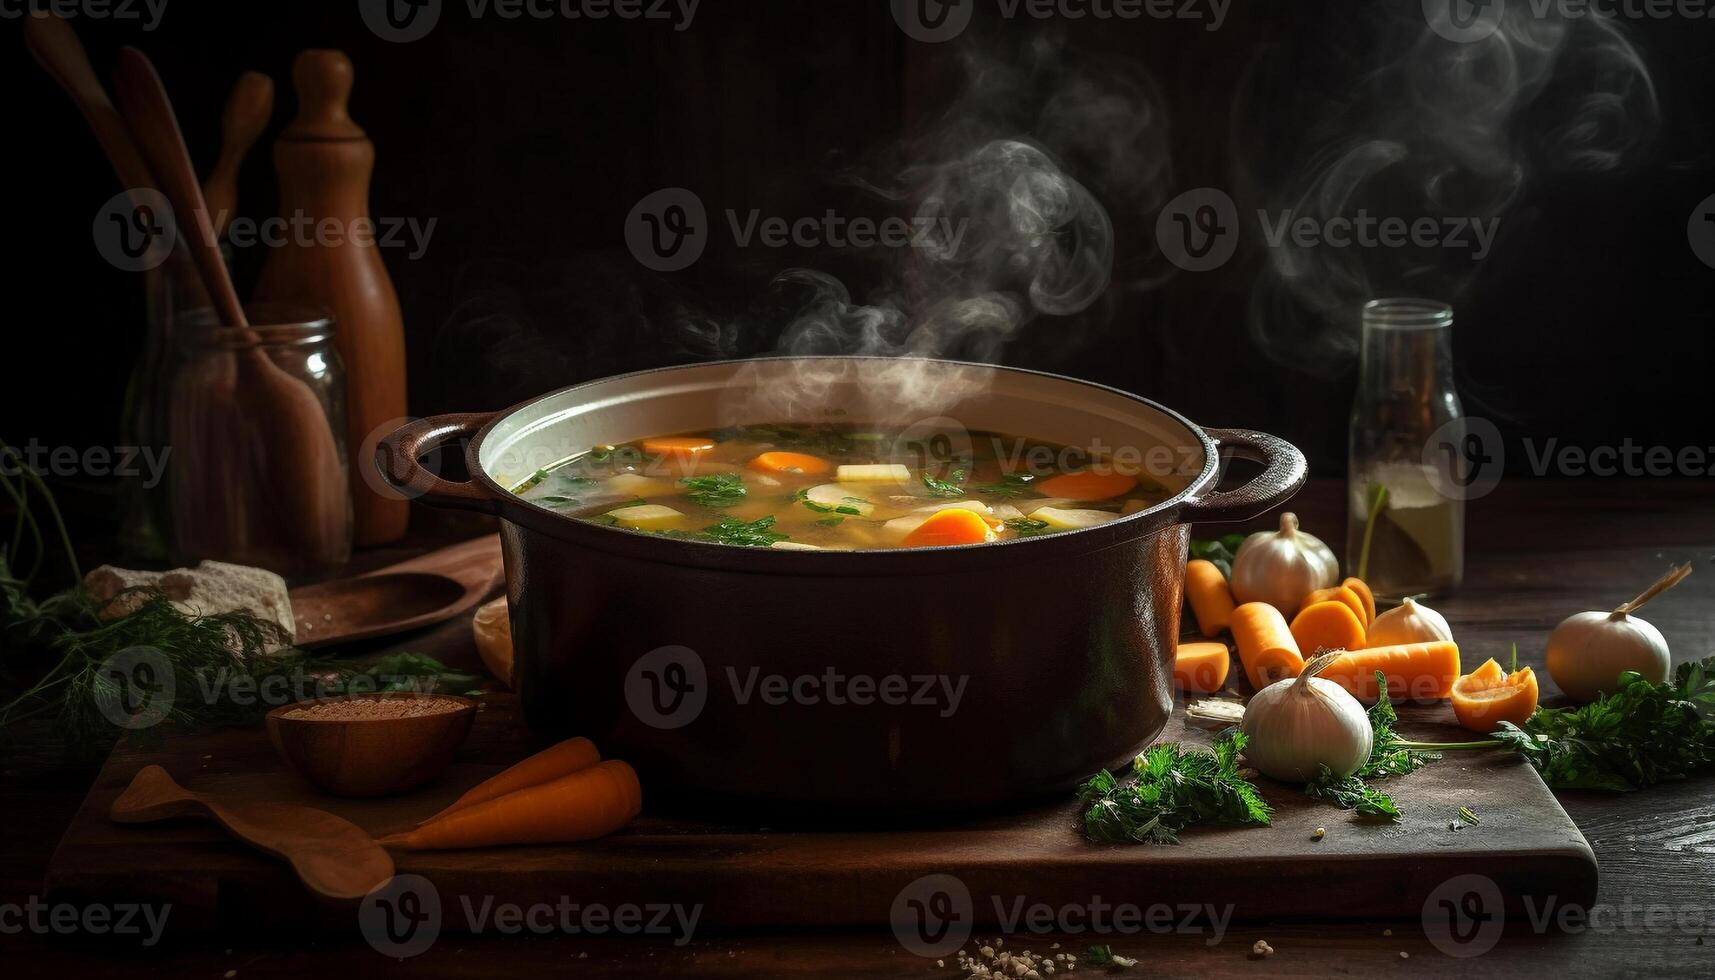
(1437, 129)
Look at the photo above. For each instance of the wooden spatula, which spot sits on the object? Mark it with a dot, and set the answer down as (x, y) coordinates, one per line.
(406, 596)
(332, 856)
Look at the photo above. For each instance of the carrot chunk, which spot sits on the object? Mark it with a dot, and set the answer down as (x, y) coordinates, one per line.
(1329, 625)
(1201, 667)
(1339, 593)
(1086, 485)
(784, 462)
(955, 526)
(551, 763)
(1368, 598)
(1266, 647)
(1420, 671)
(589, 803)
(1211, 597)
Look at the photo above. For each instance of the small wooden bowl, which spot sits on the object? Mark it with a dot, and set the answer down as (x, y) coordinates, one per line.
(370, 756)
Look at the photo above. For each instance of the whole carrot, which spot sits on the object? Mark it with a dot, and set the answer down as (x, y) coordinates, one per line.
(579, 806)
(551, 763)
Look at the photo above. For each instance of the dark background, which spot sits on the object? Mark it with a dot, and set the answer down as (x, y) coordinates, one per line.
(530, 140)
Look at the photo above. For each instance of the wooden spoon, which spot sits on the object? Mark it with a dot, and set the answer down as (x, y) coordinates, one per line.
(412, 594)
(312, 505)
(56, 48)
(332, 856)
(247, 112)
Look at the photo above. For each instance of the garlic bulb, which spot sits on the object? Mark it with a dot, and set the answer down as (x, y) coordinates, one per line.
(1282, 567)
(1297, 724)
(1409, 623)
(1589, 651)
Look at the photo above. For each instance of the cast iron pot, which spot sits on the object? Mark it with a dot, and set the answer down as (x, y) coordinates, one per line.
(857, 684)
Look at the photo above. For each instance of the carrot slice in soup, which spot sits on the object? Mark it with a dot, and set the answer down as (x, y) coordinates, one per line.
(950, 527)
(682, 447)
(1489, 695)
(1201, 667)
(783, 462)
(1086, 485)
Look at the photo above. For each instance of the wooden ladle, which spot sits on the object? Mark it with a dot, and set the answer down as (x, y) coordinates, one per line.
(426, 590)
(311, 504)
(247, 111)
(332, 856)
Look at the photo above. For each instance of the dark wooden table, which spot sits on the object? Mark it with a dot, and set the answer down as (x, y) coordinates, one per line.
(1536, 552)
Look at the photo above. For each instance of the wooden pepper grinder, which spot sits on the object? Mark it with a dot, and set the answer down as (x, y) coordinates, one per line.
(325, 161)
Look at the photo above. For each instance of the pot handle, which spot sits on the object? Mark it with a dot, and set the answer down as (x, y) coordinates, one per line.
(397, 453)
(1284, 472)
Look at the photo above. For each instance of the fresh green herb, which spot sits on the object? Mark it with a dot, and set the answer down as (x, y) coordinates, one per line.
(831, 521)
(746, 534)
(559, 500)
(818, 508)
(1351, 793)
(1469, 816)
(716, 490)
(849, 511)
(1389, 756)
(945, 488)
(1104, 956)
(1219, 551)
(1639, 735)
(1026, 527)
(1174, 788)
(1377, 495)
(1009, 485)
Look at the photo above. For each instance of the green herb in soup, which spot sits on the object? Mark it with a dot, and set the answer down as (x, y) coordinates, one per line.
(842, 487)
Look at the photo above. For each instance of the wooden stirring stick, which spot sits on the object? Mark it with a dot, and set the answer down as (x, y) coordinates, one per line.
(311, 505)
(247, 111)
(56, 48)
(332, 856)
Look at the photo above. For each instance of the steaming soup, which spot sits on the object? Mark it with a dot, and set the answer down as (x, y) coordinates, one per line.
(842, 487)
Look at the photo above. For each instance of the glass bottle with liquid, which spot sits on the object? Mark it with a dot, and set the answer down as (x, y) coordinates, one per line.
(1405, 528)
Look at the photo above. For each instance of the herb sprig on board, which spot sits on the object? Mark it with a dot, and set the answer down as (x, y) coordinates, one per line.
(1175, 787)
(1389, 756)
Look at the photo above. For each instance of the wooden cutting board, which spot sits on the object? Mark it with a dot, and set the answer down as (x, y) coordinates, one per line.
(746, 876)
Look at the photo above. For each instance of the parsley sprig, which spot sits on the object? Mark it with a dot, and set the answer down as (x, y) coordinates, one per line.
(1175, 787)
(715, 490)
(1389, 756)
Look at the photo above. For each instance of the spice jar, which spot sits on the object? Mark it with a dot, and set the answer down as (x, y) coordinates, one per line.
(230, 486)
(1405, 534)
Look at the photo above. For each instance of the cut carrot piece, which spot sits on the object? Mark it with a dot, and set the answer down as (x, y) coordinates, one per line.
(1211, 597)
(1201, 667)
(589, 803)
(784, 462)
(551, 763)
(678, 446)
(1266, 647)
(1339, 593)
(1419, 671)
(956, 526)
(1330, 625)
(1086, 485)
(1489, 695)
(1362, 589)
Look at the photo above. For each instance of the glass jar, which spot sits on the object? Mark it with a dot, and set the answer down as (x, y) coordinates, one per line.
(257, 421)
(1405, 533)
